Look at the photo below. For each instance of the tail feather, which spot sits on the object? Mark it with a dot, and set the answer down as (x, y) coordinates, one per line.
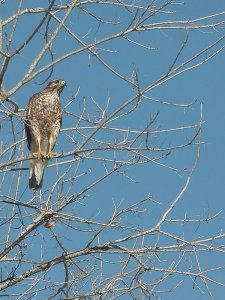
(37, 168)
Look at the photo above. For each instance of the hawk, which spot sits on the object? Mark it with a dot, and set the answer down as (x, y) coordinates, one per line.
(43, 120)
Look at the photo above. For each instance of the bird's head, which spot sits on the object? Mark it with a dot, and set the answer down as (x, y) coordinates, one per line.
(57, 84)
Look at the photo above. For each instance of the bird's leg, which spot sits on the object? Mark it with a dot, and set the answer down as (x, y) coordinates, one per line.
(50, 154)
(38, 154)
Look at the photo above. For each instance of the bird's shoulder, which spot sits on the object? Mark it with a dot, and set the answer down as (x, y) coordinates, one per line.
(40, 99)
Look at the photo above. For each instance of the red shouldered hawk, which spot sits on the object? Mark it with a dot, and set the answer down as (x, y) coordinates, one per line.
(43, 120)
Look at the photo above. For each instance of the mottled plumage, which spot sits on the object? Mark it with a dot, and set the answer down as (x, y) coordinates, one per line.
(43, 119)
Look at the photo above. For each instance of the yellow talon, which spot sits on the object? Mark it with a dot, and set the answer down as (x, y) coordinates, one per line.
(36, 155)
(51, 154)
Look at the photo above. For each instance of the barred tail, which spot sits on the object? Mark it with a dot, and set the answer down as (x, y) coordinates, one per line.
(37, 168)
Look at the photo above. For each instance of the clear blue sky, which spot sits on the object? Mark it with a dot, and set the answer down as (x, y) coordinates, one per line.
(206, 192)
